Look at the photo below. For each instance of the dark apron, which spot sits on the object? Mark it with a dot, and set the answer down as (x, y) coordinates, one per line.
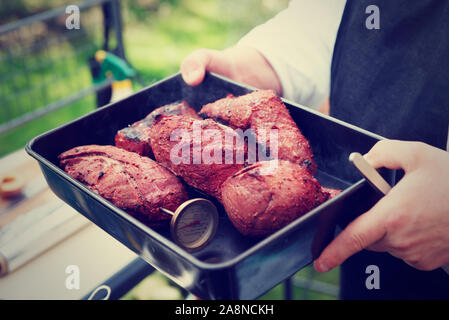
(395, 82)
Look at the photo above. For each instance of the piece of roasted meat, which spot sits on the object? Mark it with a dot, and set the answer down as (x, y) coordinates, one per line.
(262, 111)
(268, 195)
(198, 151)
(136, 184)
(136, 137)
(332, 192)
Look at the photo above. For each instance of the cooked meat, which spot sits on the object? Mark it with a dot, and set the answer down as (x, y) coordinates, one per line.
(136, 184)
(268, 195)
(197, 151)
(136, 137)
(332, 192)
(262, 111)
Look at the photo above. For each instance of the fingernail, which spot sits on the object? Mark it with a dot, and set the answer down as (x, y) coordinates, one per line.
(320, 267)
(192, 76)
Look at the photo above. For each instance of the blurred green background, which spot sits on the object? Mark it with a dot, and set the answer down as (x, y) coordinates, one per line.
(40, 66)
(37, 68)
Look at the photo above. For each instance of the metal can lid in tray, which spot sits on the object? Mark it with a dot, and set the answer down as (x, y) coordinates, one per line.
(231, 266)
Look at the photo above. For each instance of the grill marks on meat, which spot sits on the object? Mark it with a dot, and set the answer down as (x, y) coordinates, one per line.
(200, 173)
(136, 137)
(262, 111)
(136, 184)
(268, 195)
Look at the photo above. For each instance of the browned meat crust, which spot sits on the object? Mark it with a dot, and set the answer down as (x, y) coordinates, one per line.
(260, 200)
(199, 172)
(136, 184)
(332, 192)
(261, 111)
(136, 137)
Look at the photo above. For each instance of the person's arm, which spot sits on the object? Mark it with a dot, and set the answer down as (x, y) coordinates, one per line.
(291, 53)
(412, 221)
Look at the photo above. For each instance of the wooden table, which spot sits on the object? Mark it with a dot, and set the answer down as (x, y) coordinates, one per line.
(96, 254)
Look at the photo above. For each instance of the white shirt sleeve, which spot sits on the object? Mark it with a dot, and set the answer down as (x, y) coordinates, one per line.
(298, 43)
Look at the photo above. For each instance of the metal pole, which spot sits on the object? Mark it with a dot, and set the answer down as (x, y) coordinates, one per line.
(120, 51)
(288, 289)
(45, 16)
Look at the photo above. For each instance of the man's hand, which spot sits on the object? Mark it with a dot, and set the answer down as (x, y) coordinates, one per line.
(243, 64)
(412, 221)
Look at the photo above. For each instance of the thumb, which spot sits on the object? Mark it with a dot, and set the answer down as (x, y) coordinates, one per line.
(364, 231)
(195, 65)
(393, 154)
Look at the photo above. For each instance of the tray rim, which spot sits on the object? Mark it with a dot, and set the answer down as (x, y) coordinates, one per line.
(166, 242)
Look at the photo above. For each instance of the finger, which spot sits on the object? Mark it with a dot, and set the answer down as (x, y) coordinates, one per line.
(393, 154)
(364, 231)
(195, 65)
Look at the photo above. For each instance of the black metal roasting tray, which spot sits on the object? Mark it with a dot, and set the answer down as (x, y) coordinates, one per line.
(231, 266)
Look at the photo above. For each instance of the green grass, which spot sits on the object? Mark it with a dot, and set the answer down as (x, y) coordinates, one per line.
(156, 49)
